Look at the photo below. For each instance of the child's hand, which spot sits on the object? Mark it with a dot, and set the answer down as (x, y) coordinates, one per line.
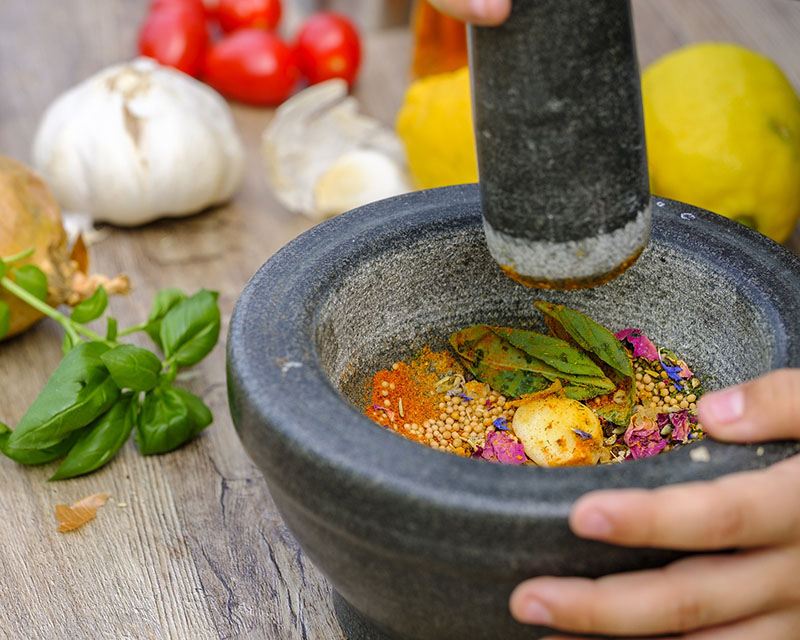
(742, 595)
(483, 12)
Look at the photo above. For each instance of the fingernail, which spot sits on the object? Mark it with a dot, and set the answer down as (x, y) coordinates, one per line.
(592, 524)
(536, 613)
(725, 406)
(479, 8)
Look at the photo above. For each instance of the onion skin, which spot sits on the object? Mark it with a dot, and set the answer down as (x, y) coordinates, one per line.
(29, 218)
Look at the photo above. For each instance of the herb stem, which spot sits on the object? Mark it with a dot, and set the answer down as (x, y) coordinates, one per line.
(18, 256)
(130, 330)
(70, 327)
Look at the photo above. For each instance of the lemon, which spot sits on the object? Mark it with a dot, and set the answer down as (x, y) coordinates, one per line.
(723, 133)
(435, 125)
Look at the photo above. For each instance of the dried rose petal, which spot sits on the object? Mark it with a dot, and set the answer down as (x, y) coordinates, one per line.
(642, 346)
(643, 437)
(681, 426)
(502, 448)
(685, 371)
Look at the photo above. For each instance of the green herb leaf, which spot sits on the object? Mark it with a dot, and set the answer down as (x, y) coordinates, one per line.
(488, 350)
(79, 390)
(5, 319)
(190, 329)
(32, 279)
(111, 329)
(586, 333)
(132, 367)
(91, 308)
(2, 273)
(170, 416)
(102, 439)
(164, 300)
(35, 456)
(67, 344)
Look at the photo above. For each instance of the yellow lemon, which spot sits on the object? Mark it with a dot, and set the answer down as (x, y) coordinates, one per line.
(435, 125)
(723, 133)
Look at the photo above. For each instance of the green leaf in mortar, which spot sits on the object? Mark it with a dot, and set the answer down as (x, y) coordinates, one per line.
(586, 333)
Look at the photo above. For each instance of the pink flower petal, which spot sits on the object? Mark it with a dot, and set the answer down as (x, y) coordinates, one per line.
(642, 345)
(502, 448)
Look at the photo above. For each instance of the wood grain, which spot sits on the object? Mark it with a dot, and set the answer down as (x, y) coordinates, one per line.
(198, 550)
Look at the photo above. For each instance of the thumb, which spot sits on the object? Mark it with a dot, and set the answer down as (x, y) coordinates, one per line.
(767, 408)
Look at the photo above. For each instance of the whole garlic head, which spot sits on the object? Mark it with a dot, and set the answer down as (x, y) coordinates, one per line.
(139, 141)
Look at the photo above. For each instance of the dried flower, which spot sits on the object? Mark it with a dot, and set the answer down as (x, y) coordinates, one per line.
(642, 345)
(502, 448)
(582, 434)
(501, 424)
(643, 436)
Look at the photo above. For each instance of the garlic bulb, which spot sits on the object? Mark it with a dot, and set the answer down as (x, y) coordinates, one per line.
(139, 141)
(323, 157)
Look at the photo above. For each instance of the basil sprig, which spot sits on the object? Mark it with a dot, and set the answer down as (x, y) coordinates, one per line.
(104, 390)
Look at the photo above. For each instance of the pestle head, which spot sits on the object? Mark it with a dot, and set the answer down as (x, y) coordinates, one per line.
(560, 141)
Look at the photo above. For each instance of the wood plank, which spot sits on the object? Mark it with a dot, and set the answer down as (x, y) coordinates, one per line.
(199, 550)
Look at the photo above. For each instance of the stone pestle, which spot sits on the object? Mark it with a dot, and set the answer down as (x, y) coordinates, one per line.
(560, 140)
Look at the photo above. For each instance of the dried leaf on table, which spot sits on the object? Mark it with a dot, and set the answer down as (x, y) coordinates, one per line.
(85, 509)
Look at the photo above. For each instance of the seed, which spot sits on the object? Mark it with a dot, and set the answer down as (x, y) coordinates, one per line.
(664, 375)
(395, 366)
(684, 404)
(691, 397)
(446, 435)
(646, 378)
(693, 406)
(442, 416)
(384, 384)
(449, 421)
(638, 376)
(661, 385)
(384, 393)
(650, 386)
(664, 392)
(679, 397)
(457, 442)
(391, 385)
(672, 388)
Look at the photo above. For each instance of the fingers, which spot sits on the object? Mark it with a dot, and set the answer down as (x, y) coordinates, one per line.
(693, 593)
(780, 625)
(767, 408)
(481, 12)
(746, 509)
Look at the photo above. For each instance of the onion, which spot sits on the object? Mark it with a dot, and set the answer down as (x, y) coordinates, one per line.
(30, 219)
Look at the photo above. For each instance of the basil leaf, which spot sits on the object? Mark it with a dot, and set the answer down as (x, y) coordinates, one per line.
(5, 319)
(132, 367)
(164, 300)
(35, 456)
(191, 329)
(32, 279)
(169, 417)
(91, 308)
(111, 329)
(199, 413)
(67, 344)
(102, 439)
(79, 390)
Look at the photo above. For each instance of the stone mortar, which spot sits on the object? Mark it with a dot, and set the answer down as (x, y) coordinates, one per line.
(423, 545)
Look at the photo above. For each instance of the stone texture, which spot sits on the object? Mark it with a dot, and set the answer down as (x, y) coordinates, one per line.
(560, 138)
(424, 545)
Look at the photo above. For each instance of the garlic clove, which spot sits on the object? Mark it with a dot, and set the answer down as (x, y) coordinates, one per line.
(357, 178)
(549, 427)
(309, 135)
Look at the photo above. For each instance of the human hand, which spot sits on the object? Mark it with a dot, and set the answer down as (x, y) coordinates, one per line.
(482, 12)
(752, 593)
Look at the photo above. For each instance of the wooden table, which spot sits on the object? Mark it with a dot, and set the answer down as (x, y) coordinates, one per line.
(198, 549)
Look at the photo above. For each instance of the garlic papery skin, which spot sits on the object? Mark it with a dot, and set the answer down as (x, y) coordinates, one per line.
(139, 141)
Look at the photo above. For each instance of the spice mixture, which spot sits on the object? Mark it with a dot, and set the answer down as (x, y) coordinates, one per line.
(502, 399)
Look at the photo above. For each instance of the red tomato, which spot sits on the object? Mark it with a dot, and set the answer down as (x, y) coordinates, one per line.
(246, 14)
(253, 66)
(175, 36)
(328, 47)
(194, 5)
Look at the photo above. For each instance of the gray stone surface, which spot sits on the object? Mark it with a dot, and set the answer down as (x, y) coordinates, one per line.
(424, 545)
(560, 139)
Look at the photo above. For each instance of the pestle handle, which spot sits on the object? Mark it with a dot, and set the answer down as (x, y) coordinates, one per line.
(560, 141)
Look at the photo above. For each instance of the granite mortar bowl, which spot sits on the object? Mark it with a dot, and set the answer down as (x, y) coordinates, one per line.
(424, 545)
